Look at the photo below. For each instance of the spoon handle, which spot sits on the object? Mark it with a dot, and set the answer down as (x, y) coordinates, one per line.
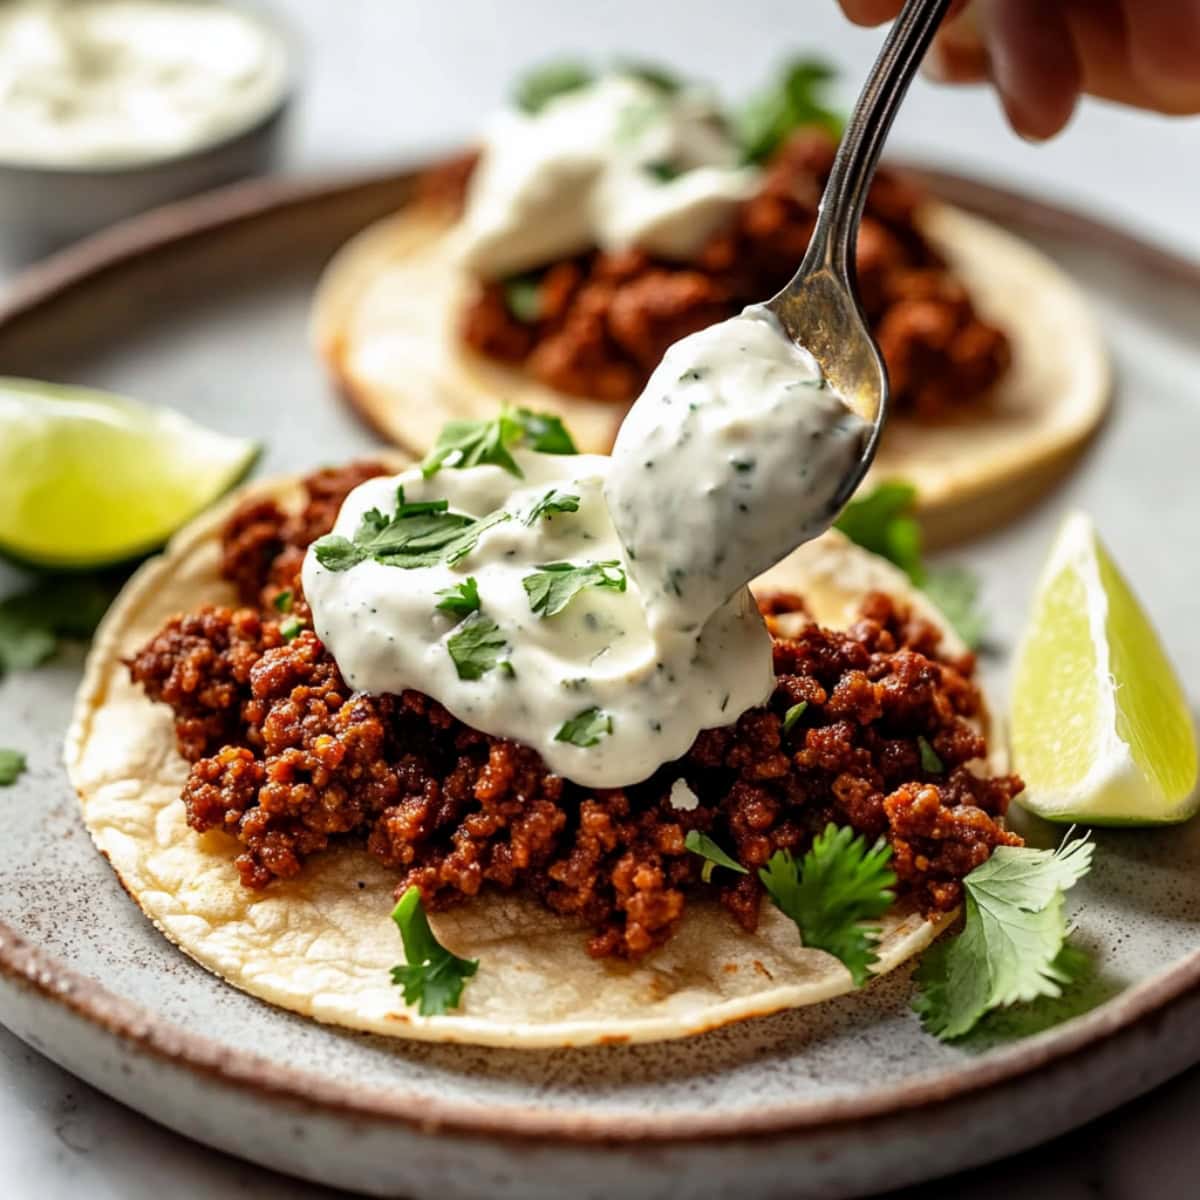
(836, 233)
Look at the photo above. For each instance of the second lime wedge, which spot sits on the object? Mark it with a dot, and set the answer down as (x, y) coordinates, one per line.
(1102, 731)
(88, 479)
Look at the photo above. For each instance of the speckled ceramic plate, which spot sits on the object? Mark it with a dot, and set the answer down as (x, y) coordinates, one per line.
(203, 307)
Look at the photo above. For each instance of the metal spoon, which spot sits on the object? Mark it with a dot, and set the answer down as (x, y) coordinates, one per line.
(819, 308)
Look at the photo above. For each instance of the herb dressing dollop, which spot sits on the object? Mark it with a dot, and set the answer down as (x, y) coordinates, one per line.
(111, 83)
(637, 695)
(617, 163)
(731, 457)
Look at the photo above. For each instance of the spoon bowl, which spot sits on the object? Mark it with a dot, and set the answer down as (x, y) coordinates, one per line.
(819, 308)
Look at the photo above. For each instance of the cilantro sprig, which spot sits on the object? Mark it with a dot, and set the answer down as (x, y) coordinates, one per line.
(552, 503)
(798, 97)
(1011, 948)
(537, 87)
(554, 585)
(33, 620)
(432, 977)
(839, 885)
(12, 766)
(701, 844)
(480, 443)
(420, 534)
(882, 521)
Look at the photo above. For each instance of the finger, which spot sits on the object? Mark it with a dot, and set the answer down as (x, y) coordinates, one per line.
(870, 12)
(875, 12)
(958, 54)
(1033, 63)
(1101, 36)
(1164, 48)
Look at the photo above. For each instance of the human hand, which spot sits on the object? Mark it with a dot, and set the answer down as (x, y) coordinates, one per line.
(1041, 55)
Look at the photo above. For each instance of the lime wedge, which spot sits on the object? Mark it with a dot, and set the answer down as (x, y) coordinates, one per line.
(88, 479)
(1101, 728)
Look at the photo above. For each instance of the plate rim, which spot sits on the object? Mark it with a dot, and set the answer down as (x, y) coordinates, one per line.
(25, 965)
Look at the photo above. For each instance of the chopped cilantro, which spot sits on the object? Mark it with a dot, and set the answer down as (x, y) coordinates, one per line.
(432, 977)
(477, 443)
(794, 714)
(931, 763)
(1011, 946)
(421, 534)
(290, 629)
(554, 585)
(283, 601)
(536, 88)
(522, 297)
(552, 502)
(585, 728)
(701, 844)
(477, 646)
(797, 98)
(840, 884)
(460, 600)
(12, 763)
(662, 169)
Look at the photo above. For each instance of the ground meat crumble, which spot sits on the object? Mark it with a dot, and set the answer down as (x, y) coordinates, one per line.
(288, 760)
(605, 320)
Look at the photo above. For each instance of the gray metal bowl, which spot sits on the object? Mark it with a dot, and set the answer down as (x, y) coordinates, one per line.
(42, 207)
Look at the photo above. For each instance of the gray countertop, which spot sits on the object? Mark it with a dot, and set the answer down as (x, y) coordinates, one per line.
(386, 80)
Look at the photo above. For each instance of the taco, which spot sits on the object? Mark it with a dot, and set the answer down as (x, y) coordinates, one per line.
(483, 288)
(263, 802)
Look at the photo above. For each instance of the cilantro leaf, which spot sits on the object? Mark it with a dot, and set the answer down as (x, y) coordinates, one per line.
(656, 76)
(794, 714)
(701, 844)
(432, 977)
(543, 432)
(32, 620)
(291, 628)
(955, 591)
(585, 728)
(12, 764)
(931, 763)
(523, 298)
(840, 884)
(460, 600)
(552, 502)
(421, 534)
(797, 98)
(536, 88)
(1011, 945)
(554, 585)
(477, 646)
(283, 601)
(882, 522)
(478, 443)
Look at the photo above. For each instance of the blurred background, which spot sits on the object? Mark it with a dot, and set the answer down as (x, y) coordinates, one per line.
(387, 81)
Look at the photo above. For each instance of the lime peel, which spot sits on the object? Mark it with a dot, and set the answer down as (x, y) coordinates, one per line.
(1102, 731)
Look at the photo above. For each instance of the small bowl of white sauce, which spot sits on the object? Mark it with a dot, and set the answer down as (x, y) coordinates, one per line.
(110, 107)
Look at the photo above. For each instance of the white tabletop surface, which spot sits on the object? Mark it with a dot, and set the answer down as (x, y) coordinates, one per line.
(387, 79)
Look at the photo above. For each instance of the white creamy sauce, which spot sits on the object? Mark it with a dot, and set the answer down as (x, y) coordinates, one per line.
(655, 688)
(107, 83)
(730, 458)
(591, 169)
